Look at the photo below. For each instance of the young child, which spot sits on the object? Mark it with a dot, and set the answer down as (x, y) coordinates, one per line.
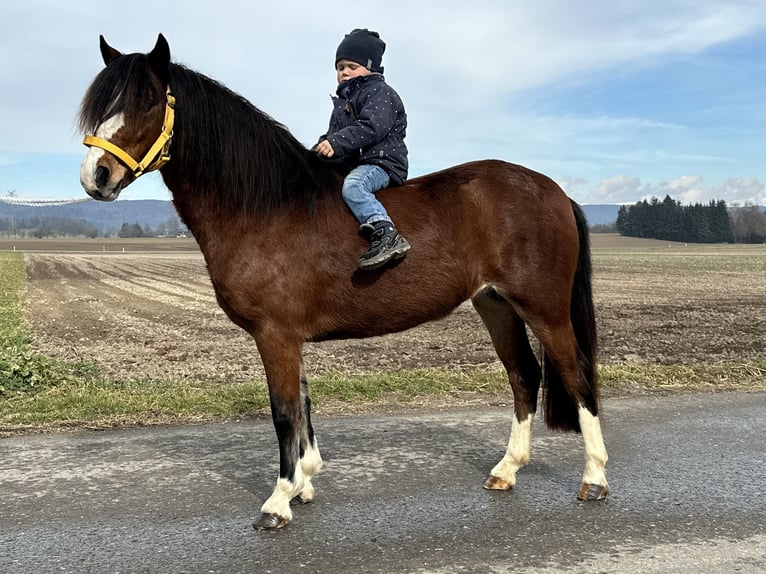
(366, 133)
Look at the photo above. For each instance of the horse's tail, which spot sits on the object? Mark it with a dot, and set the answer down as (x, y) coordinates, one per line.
(561, 411)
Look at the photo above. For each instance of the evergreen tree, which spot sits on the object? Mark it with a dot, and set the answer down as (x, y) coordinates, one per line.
(722, 222)
(623, 219)
(669, 220)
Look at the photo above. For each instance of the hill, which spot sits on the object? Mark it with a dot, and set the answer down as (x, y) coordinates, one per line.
(109, 217)
(106, 217)
(600, 213)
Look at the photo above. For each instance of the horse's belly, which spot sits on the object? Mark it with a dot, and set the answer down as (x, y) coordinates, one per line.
(382, 320)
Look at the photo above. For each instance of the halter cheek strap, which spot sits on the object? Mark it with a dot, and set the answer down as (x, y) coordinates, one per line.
(157, 156)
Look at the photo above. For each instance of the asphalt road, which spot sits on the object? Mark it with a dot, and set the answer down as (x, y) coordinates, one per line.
(398, 494)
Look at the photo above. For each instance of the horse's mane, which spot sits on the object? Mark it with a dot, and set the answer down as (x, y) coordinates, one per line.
(222, 144)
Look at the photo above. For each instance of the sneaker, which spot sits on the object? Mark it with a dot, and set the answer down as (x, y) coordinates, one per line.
(385, 245)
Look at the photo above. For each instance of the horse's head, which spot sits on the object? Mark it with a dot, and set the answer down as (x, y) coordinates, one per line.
(126, 113)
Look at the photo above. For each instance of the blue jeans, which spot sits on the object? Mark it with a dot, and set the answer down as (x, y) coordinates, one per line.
(359, 190)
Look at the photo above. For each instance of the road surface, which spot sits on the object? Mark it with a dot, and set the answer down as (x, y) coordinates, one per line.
(399, 493)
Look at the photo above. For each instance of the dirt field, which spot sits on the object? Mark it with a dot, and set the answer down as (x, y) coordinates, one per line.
(149, 312)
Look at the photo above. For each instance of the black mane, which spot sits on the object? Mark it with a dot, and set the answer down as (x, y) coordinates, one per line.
(222, 144)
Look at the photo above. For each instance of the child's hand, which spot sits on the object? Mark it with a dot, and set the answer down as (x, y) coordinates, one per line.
(324, 149)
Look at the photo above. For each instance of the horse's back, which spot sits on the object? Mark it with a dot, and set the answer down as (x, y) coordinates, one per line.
(499, 188)
(484, 206)
(488, 171)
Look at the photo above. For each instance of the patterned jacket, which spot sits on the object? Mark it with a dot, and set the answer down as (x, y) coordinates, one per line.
(368, 125)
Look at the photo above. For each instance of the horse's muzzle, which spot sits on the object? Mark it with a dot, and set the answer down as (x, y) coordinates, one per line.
(97, 183)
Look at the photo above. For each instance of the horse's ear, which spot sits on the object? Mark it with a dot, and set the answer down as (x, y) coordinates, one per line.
(159, 59)
(107, 52)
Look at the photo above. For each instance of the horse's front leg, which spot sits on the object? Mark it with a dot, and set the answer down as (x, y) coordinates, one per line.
(310, 459)
(282, 362)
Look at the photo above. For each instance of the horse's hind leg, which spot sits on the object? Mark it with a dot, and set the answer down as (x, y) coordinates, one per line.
(594, 484)
(572, 404)
(510, 339)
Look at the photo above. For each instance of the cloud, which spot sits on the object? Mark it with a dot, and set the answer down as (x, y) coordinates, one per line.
(569, 184)
(692, 189)
(744, 190)
(495, 46)
(451, 58)
(477, 78)
(618, 189)
(686, 189)
(7, 161)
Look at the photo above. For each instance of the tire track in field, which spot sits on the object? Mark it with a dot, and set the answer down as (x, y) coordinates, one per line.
(183, 285)
(149, 317)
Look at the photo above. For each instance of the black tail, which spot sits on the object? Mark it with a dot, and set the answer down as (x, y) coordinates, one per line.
(561, 411)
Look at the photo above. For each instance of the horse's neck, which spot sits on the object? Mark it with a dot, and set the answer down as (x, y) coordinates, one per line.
(202, 216)
(220, 232)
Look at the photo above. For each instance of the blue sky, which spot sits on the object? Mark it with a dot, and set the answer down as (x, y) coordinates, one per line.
(616, 101)
(690, 125)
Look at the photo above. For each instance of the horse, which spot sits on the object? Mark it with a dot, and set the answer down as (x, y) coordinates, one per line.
(281, 250)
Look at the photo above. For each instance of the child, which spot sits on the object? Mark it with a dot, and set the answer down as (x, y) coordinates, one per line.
(366, 133)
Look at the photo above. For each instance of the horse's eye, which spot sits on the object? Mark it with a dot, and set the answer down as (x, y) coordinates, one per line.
(150, 102)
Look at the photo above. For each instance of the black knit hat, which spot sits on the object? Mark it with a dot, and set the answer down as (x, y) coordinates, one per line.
(363, 47)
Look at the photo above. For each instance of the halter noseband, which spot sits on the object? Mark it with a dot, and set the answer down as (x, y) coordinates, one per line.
(158, 154)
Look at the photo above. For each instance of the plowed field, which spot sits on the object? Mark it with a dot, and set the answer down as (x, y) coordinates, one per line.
(149, 312)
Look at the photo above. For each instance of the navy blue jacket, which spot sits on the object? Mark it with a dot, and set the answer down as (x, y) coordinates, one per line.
(368, 125)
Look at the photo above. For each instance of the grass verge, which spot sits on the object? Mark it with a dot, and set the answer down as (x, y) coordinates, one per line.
(95, 402)
(716, 377)
(21, 369)
(98, 402)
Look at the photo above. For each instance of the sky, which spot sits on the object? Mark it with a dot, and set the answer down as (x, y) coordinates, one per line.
(616, 100)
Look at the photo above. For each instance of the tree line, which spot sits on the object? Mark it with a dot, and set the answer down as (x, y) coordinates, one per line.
(714, 222)
(170, 228)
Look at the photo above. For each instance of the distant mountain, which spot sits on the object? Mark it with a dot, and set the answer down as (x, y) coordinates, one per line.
(600, 213)
(110, 216)
(104, 216)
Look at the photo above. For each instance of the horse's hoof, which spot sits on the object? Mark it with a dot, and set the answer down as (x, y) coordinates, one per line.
(592, 492)
(495, 483)
(306, 496)
(270, 522)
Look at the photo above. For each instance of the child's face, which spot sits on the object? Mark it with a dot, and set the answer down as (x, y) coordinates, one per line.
(347, 69)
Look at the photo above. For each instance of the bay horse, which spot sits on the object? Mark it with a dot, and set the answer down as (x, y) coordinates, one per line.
(281, 249)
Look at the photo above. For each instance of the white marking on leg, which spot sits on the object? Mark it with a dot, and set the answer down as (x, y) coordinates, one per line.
(595, 451)
(279, 501)
(88, 167)
(311, 464)
(518, 451)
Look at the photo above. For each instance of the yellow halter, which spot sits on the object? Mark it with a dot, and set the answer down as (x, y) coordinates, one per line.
(158, 154)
